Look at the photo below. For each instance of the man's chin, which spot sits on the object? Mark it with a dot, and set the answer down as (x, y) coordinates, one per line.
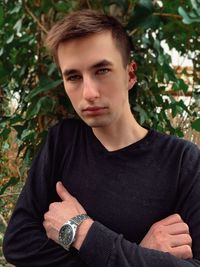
(96, 122)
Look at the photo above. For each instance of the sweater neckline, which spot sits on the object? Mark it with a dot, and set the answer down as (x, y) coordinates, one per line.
(142, 142)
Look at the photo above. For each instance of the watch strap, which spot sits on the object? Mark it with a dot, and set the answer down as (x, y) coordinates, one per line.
(79, 218)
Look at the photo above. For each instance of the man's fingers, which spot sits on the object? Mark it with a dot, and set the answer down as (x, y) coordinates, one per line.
(181, 240)
(182, 252)
(178, 228)
(172, 219)
(62, 192)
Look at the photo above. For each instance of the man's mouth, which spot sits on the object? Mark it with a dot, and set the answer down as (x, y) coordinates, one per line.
(94, 110)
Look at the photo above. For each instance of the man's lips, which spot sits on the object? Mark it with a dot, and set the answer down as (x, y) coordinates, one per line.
(95, 110)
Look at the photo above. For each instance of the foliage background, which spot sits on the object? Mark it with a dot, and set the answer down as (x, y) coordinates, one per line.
(31, 92)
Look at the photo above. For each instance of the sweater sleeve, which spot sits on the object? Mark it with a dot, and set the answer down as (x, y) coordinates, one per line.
(25, 241)
(105, 248)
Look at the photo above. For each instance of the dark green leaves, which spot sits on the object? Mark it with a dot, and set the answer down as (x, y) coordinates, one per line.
(62, 6)
(12, 181)
(142, 14)
(196, 125)
(1, 16)
(193, 15)
(180, 85)
(43, 88)
(42, 106)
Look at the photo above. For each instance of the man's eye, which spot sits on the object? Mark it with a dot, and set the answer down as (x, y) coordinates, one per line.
(73, 78)
(103, 71)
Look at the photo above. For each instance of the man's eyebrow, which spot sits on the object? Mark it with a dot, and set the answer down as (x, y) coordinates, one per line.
(102, 63)
(69, 72)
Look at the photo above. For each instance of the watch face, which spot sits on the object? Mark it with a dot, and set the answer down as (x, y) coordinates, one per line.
(66, 235)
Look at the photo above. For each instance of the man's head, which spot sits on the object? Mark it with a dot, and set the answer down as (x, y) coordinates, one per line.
(86, 23)
(92, 51)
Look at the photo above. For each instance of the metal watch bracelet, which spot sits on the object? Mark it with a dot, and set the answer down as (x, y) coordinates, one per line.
(79, 218)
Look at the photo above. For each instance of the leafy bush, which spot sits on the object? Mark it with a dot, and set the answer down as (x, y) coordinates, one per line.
(31, 91)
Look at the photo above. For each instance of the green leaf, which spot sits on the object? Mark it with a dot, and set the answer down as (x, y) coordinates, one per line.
(186, 18)
(1, 51)
(45, 5)
(27, 135)
(18, 25)
(5, 146)
(180, 85)
(169, 73)
(13, 181)
(174, 110)
(142, 113)
(184, 107)
(146, 3)
(16, 9)
(5, 133)
(196, 6)
(62, 6)
(161, 59)
(196, 125)
(19, 129)
(184, 14)
(1, 16)
(3, 71)
(52, 67)
(43, 106)
(141, 14)
(10, 39)
(42, 89)
(15, 118)
(179, 133)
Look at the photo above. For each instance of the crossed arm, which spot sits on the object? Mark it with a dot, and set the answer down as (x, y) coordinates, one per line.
(168, 235)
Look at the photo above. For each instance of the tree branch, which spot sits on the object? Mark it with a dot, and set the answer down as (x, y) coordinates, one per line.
(35, 18)
(133, 32)
(168, 15)
(88, 3)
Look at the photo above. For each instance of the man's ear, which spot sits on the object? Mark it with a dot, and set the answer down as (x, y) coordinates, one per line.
(132, 67)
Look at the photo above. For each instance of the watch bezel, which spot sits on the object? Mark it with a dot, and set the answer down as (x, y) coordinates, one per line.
(67, 232)
(67, 235)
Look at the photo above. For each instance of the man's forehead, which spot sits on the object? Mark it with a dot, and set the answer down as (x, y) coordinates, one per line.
(91, 50)
(97, 40)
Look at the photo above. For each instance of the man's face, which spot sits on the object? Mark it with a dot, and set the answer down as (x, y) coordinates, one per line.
(95, 79)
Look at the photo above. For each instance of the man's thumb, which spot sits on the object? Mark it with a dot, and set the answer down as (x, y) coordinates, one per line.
(61, 191)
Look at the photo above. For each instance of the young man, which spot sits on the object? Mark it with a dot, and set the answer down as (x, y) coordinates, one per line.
(129, 196)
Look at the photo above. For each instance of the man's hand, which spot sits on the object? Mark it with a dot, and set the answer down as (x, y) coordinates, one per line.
(60, 212)
(170, 235)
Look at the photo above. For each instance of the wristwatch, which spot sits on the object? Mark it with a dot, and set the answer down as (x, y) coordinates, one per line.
(67, 233)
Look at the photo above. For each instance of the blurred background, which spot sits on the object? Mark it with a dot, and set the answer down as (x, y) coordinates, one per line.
(166, 48)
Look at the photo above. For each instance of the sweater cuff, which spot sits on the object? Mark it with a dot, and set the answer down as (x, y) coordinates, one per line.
(98, 245)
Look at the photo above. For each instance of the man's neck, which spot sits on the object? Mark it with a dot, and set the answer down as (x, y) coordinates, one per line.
(115, 137)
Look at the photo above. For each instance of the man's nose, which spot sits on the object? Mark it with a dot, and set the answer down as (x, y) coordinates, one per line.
(90, 90)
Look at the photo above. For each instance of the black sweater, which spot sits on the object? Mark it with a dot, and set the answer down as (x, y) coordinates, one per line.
(124, 191)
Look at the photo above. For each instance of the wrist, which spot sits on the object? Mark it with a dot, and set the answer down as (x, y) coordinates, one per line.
(81, 233)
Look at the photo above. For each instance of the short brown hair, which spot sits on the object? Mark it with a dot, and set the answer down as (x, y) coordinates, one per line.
(84, 23)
